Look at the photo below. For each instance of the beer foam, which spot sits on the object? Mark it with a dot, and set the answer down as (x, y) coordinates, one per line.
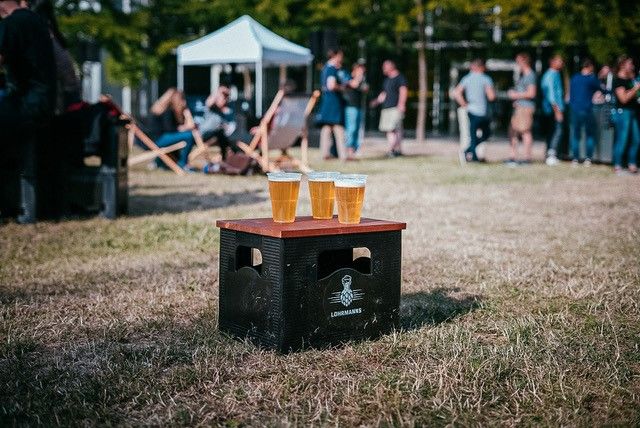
(354, 176)
(323, 176)
(284, 176)
(349, 182)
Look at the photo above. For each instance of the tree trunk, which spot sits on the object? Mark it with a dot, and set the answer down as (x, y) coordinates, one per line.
(422, 75)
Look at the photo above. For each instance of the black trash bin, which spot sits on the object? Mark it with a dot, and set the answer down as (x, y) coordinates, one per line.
(102, 188)
(309, 283)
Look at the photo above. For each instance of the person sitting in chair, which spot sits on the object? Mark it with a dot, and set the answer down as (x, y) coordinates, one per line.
(220, 122)
(170, 124)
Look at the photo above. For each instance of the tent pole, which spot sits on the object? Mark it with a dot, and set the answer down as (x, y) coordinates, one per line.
(283, 75)
(309, 78)
(259, 88)
(181, 77)
(214, 78)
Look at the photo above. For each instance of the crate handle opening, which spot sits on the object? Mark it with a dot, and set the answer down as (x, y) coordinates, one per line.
(358, 258)
(249, 257)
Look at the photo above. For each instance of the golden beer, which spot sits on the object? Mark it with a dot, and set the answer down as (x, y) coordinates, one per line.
(284, 189)
(322, 192)
(350, 197)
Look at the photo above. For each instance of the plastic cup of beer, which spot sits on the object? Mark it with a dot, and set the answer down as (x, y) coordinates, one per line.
(283, 189)
(323, 192)
(349, 198)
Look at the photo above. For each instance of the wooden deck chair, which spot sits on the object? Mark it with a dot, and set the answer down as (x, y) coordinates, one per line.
(284, 122)
(201, 147)
(150, 155)
(135, 131)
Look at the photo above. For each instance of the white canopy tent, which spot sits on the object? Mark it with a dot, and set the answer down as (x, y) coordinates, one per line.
(244, 41)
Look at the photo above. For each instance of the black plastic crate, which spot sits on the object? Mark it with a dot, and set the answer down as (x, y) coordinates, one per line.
(310, 283)
(44, 175)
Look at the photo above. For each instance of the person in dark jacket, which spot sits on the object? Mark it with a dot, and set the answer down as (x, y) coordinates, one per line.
(69, 88)
(26, 53)
(582, 89)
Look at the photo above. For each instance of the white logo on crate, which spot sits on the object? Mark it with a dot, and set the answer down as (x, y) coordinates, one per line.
(347, 295)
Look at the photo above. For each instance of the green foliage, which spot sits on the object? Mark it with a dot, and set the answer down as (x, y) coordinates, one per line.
(606, 27)
(143, 42)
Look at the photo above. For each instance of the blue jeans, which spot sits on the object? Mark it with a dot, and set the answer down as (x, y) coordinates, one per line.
(352, 118)
(477, 122)
(170, 138)
(582, 119)
(553, 129)
(625, 123)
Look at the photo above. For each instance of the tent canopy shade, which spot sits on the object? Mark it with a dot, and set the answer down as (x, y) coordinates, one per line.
(243, 41)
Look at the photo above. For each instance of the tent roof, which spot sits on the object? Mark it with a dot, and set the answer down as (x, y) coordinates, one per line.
(243, 41)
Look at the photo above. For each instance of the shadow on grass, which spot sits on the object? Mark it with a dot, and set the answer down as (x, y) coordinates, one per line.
(434, 307)
(124, 363)
(178, 202)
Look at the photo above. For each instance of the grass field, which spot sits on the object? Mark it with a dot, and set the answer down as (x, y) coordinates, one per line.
(520, 306)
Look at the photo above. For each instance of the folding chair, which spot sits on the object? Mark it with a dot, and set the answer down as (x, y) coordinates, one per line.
(155, 151)
(135, 131)
(284, 122)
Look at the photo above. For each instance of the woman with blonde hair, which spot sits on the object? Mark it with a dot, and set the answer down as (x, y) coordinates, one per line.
(171, 122)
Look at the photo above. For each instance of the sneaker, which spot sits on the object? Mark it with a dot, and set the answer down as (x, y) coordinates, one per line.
(575, 163)
(587, 162)
(462, 158)
(511, 163)
(397, 153)
(620, 172)
(390, 155)
(525, 162)
(152, 166)
(633, 169)
(552, 160)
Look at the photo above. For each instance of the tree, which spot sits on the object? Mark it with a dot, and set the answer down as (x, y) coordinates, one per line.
(605, 27)
(422, 74)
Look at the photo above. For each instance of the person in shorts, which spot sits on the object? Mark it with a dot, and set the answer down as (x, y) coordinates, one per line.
(524, 105)
(393, 99)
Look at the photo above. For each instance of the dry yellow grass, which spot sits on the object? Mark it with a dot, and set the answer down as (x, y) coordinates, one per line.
(521, 294)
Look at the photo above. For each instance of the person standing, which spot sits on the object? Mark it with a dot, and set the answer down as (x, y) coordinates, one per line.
(523, 96)
(553, 106)
(69, 87)
(26, 52)
(354, 93)
(393, 99)
(625, 116)
(582, 88)
(474, 92)
(331, 116)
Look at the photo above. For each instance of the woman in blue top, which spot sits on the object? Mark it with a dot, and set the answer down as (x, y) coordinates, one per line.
(332, 106)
